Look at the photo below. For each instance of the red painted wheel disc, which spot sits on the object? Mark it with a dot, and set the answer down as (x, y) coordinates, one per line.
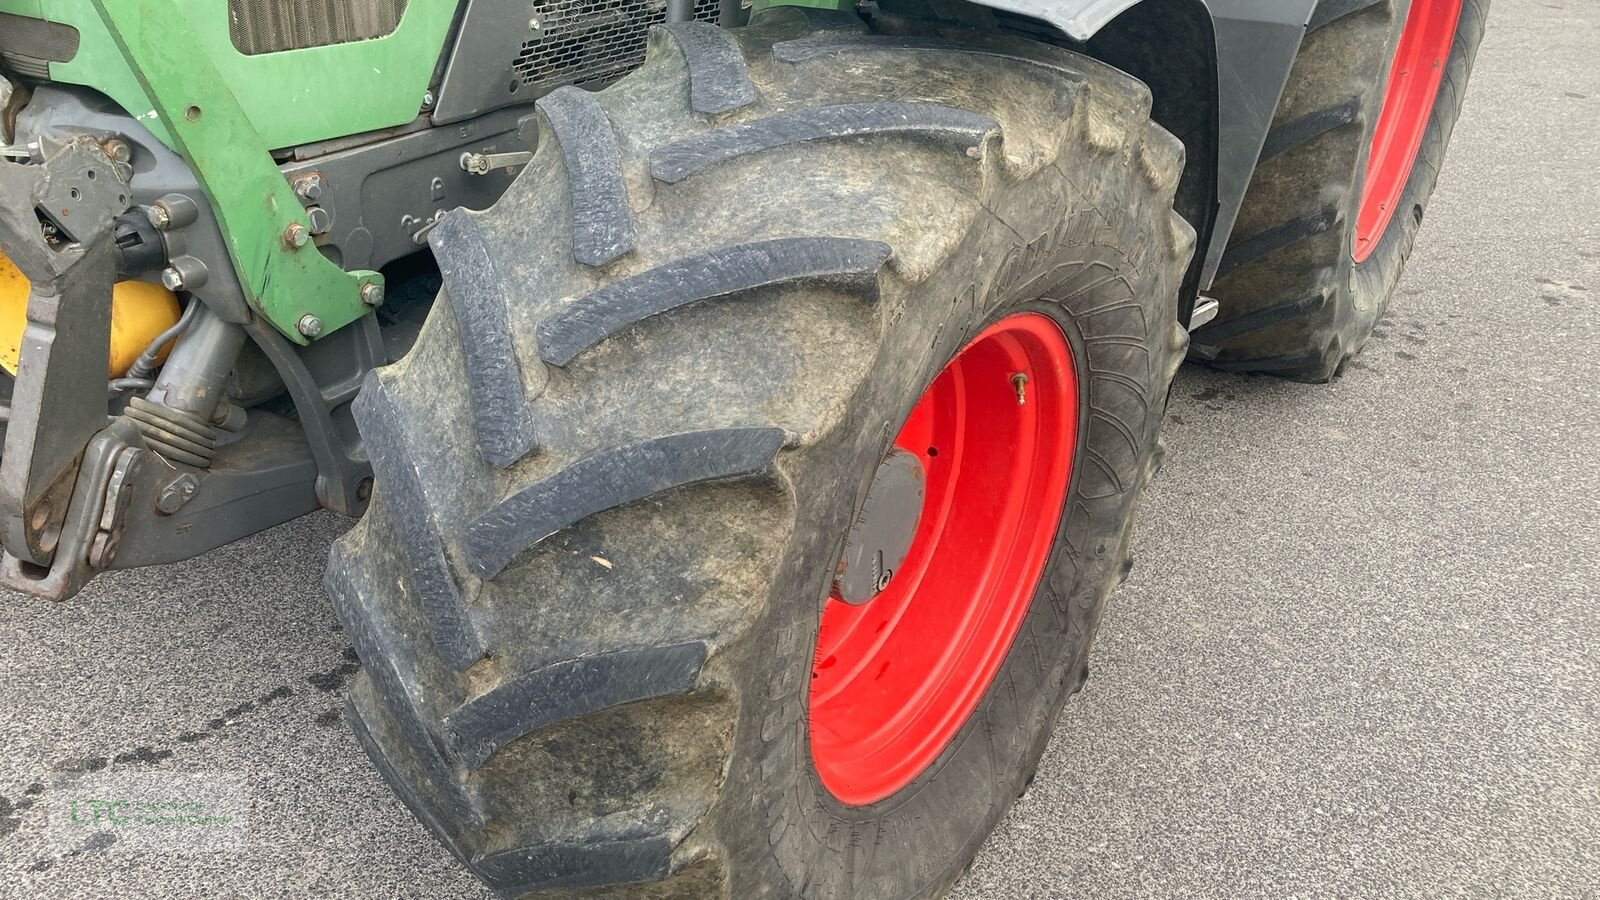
(894, 679)
(1414, 80)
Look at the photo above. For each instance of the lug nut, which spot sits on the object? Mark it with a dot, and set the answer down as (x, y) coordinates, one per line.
(296, 236)
(309, 325)
(372, 294)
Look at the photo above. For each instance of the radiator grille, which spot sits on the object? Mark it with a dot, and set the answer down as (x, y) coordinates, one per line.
(586, 41)
(269, 26)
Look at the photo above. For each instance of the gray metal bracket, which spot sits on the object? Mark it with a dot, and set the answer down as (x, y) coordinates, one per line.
(344, 481)
(56, 226)
(70, 568)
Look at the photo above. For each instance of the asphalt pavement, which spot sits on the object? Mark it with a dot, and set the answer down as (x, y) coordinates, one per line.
(1359, 655)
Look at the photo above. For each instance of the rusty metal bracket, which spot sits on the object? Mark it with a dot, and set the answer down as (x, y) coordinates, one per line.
(71, 568)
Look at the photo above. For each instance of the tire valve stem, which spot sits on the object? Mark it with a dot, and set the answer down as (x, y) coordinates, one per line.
(1019, 382)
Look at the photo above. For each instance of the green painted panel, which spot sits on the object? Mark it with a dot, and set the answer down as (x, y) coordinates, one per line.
(251, 199)
(293, 97)
(99, 63)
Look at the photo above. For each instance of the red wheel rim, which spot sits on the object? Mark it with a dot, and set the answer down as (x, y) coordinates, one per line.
(1414, 81)
(895, 679)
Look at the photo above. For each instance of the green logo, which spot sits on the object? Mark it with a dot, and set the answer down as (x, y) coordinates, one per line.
(124, 813)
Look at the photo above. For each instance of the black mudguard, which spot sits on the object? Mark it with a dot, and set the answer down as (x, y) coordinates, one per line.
(1256, 42)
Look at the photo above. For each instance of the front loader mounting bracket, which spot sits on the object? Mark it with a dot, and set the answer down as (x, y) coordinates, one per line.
(266, 228)
(56, 226)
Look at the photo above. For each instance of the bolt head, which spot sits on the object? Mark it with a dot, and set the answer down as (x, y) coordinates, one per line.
(172, 279)
(159, 216)
(176, 493)
(309, 325)
(102, 550)
(308, 188)
(117, 150)
(321, 219)
(296, 236)
(427, 99)
(372, 294)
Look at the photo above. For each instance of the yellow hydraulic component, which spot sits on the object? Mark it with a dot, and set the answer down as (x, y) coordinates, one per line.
(139, 312)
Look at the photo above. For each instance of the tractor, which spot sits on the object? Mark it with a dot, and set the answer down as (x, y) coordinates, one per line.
(745, 405)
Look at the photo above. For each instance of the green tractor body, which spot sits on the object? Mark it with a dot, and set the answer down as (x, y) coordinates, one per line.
(223, 97)
(290, 95)
(267, 161)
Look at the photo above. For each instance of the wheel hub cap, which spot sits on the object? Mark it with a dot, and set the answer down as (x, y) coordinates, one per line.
(877, 545)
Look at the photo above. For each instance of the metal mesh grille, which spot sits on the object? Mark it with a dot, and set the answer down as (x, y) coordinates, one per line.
(585, 41)
(268, 26)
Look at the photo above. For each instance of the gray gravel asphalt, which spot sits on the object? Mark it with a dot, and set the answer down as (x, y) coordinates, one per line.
(1357, 657)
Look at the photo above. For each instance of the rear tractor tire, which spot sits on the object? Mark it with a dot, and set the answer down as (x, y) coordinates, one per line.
(1333, 209)
(745, 316)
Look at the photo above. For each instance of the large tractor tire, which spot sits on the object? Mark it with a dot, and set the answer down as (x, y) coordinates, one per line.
(623, 478)
(1333, 211)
